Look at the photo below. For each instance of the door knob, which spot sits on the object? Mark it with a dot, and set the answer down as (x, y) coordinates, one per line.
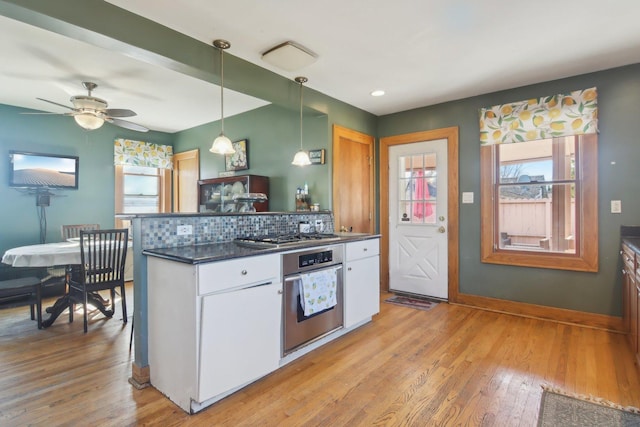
(441, 229)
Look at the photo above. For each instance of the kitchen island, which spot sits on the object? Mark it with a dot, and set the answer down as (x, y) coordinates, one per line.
(217, 312)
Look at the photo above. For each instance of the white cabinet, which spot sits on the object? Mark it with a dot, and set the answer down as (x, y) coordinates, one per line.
(212, 327)
(362, 281)
(240, 338)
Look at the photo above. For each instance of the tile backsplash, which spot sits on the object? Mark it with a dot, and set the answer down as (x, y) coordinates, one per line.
(161, 231)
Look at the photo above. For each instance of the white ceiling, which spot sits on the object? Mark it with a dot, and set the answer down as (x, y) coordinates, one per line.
(421, 52)
(40, 64)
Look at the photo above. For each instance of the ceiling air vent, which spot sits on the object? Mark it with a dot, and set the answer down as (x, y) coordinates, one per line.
(289, 56)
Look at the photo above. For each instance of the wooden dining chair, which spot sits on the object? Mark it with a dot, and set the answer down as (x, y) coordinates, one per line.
(69, 231)
(103, 254)
(73, 231)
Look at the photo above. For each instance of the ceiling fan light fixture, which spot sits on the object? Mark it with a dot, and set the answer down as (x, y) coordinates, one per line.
(222, 145)
(88, 121)
(289, 56)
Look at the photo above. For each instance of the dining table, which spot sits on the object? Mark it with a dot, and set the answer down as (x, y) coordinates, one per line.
(66, 254)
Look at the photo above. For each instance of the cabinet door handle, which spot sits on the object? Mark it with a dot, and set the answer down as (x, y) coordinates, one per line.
(348, 268)
(280, 291)
(243, 272)
(365, 249)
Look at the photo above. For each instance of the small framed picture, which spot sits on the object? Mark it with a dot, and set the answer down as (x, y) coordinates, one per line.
(317, 156)
(240, 159)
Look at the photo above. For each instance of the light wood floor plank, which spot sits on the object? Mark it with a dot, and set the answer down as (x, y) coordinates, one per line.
(451, 365)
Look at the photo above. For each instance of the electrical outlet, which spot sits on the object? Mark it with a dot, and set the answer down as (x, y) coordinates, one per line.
(184, 230)
(319, 225)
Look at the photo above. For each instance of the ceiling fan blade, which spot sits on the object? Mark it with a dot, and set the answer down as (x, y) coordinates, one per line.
(119, 112)
(127, 125)
(55, 114)
(55, 103)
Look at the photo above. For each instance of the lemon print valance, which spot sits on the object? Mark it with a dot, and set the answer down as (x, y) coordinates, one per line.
(575, 113)
(140, 153)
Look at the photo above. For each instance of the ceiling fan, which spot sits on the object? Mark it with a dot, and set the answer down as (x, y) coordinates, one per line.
(90, 112)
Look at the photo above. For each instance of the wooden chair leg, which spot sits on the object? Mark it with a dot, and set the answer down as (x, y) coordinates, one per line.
(39, 304)
(133, 321)
(32, 311)
(84, 303)
(124, 304)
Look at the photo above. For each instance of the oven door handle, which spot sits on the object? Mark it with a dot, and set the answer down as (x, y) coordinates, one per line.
(299, 277)
(292, 278)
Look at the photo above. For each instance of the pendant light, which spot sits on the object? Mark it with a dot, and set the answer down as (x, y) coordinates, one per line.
(222, 144)
(302, 157)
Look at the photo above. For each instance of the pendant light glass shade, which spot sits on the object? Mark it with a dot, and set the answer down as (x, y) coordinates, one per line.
(302, 157)
(222, 144)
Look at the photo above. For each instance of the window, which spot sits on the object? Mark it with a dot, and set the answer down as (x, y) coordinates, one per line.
(539, 203)
(141, 189)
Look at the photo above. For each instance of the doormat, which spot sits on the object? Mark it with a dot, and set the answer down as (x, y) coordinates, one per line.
(420, 304)
(558, 408)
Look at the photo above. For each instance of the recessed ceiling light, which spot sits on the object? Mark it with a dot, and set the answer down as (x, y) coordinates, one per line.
(378, 92)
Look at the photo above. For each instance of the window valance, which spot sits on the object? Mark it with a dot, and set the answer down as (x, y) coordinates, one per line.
(140, 153)
(575, 113)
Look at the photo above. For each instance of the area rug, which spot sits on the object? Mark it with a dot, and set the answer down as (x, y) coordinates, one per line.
(420, 304)
(558, 408)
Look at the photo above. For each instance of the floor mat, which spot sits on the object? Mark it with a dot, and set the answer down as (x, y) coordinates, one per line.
(420, 304)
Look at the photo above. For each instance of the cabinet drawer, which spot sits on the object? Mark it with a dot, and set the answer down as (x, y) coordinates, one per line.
(223, 275)
(363, 249)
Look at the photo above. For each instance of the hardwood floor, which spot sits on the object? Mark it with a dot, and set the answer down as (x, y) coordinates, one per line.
(451, 365)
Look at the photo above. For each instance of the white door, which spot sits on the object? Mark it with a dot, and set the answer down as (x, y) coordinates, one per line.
(418, 261)
(240, 338)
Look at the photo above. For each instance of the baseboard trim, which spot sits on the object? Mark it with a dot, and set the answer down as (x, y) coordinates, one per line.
(140, 376)
(561, 315)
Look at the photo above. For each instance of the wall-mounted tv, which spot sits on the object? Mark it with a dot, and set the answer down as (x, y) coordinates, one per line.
(36, 170)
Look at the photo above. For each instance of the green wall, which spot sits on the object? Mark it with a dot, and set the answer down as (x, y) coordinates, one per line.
(273, 134)
(274, 137)
(92, 202)
(619, 157)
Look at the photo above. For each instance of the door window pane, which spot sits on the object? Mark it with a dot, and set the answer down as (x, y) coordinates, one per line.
(417, 192)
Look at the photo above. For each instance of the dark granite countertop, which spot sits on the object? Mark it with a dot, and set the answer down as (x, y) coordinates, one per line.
(211, 252)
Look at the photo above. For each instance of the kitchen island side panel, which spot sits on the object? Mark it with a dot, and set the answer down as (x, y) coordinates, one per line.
(173, 336)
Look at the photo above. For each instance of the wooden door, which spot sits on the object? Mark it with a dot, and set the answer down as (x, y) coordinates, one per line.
(353, 182)
(186, 172)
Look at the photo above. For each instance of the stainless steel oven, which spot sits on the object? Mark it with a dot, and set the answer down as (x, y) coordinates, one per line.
(300, 330)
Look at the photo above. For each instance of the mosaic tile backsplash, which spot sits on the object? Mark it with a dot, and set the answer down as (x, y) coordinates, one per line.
(160, 231)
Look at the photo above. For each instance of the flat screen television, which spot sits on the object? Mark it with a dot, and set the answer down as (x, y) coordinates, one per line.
(36, 170)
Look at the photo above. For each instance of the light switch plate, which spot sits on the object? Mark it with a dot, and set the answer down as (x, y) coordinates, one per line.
(616, 206)
(467, 197)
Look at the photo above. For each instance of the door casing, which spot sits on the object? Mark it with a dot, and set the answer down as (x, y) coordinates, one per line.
(451, 134)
